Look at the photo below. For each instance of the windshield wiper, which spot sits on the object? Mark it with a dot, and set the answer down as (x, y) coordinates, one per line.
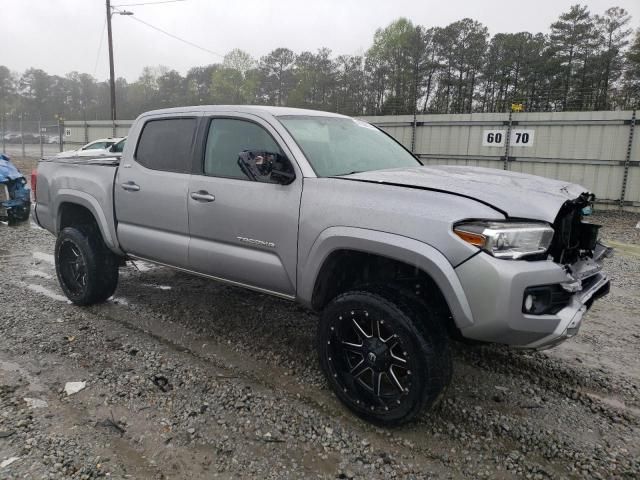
(350, 173)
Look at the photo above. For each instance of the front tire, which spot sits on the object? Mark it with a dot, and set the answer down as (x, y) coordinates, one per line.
(385, 357)
(87, 270)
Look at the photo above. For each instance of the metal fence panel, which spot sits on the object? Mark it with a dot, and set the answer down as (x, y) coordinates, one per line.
(575, 135)
(633, 186)
(588, 148)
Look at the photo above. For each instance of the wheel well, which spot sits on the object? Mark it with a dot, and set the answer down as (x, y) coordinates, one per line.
(74, 214)
(345, 270)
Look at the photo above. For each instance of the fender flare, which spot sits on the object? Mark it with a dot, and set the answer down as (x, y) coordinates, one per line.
(89, 202)
(397, 247)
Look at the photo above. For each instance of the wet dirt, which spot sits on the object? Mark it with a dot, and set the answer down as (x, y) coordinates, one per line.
(187, 378)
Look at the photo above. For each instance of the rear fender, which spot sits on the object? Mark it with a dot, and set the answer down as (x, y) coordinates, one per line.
(105, 223)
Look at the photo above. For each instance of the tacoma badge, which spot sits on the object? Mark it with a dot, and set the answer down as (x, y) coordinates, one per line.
(253, 241)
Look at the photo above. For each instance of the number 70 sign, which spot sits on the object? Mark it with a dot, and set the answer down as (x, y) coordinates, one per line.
(497, 138)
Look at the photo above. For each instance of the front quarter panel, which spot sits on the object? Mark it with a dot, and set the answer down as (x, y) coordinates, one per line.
(423, 215)
(410, 225)
(403, 249)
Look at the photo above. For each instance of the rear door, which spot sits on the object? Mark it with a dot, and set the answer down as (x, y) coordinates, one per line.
(151, 191)
(243, 230)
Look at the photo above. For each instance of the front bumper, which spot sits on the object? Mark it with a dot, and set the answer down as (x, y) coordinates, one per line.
(495, 290)
(572, 315)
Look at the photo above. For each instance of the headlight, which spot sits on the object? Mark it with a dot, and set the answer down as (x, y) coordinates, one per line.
(506, 239)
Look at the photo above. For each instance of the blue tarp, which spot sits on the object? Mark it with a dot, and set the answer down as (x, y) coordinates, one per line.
(8, 170)
(19, 203)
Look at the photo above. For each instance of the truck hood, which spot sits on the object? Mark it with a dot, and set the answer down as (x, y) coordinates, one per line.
(515, 194)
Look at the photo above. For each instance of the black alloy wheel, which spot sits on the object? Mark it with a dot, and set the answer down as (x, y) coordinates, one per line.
(73, 267)
(87, 270)
(378, 357)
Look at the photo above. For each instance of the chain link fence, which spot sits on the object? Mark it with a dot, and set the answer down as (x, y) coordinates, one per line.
(30, 138)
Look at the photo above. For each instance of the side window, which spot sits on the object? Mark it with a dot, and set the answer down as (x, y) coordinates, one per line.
(119, 147)
(166, 144)
(242, 149)
(97, 146)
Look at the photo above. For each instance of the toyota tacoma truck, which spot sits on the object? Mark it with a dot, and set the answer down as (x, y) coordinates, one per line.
(398, 258)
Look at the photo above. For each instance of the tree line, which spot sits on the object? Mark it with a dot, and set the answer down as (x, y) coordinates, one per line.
(585, 62)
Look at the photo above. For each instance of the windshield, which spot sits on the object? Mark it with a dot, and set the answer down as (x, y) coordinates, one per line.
(340, 146)
(101, 145)
(119, 147)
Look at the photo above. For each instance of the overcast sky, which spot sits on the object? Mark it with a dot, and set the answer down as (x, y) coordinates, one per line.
(60, 36)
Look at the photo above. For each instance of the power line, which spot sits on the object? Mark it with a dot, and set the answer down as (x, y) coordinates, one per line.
(146, 3)
(176, 37)
(95, 67)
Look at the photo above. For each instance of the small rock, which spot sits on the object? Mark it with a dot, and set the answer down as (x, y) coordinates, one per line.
(35, 403)
(74, 387)
(8, 461)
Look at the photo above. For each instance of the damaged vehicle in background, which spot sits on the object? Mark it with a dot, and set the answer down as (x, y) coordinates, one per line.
(398, 258)
(15, 195)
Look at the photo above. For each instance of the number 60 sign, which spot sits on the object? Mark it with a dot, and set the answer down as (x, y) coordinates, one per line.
(497, 138)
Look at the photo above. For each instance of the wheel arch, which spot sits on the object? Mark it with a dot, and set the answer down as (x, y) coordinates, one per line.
(74, 207)
(334, 247)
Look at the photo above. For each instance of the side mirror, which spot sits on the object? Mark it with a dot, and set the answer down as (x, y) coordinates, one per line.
(266, 167)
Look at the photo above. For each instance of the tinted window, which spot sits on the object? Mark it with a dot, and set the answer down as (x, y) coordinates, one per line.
(119, 147)
(98, 146)
(228, 139)
(166, 144)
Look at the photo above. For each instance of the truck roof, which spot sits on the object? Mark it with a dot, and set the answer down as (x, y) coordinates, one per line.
(260, 110)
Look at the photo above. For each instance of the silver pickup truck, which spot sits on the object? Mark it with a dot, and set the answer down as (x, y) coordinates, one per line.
(331, 212)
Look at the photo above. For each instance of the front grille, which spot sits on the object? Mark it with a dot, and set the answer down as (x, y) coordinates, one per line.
(560, 298)
(587, 283)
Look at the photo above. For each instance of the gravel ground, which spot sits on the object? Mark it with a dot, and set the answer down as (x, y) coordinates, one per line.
(186, 378)
(618, 226)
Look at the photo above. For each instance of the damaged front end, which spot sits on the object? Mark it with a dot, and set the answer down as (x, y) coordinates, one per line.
(576, 248)
(15, 195)
(574, 239)
(575, 243)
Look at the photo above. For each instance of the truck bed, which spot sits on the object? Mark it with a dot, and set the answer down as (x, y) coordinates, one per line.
(85, 181)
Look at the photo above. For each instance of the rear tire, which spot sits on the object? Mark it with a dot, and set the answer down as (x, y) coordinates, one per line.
(87, 270)
(385, 356)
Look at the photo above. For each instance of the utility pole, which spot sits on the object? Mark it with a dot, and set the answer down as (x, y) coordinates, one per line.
(2, 120)
(22, 135)
(112, 75)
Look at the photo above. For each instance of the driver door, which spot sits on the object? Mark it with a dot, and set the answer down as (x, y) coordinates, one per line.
(243, 230)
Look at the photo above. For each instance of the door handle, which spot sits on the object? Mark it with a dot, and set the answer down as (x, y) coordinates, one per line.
(130, 186)
(202, 196)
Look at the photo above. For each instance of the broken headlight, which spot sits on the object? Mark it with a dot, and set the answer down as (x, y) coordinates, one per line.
(509, 240)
